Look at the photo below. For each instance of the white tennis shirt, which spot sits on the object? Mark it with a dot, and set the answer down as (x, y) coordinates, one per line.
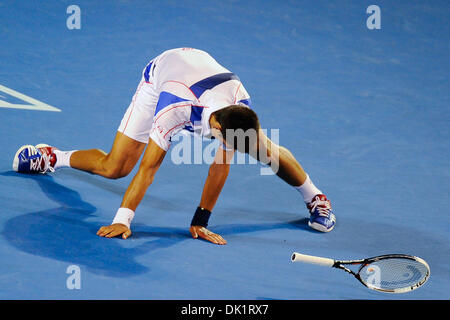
(191, 85)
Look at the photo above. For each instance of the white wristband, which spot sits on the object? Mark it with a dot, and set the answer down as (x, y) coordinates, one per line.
(124, 216)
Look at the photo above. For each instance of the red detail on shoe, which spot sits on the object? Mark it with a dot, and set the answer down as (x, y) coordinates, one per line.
(319, 200)
(49, 152)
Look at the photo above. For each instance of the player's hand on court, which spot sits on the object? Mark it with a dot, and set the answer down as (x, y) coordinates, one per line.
(202, 232)
(114, 230)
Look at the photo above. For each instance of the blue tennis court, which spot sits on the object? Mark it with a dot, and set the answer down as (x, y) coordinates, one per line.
(365, 112)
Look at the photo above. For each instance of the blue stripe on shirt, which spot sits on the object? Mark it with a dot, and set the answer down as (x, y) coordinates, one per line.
(247, 102)
(206, 84)
(196, 114)
(147, 71)
(165, 99)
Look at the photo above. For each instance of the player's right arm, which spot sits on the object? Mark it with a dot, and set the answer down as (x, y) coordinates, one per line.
(217, 175)
(150, 163)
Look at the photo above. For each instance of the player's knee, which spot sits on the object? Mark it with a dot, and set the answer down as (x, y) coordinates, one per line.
(116, 171)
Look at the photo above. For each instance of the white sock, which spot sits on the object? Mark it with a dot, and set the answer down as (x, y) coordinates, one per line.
(63, 158)
(308, 190)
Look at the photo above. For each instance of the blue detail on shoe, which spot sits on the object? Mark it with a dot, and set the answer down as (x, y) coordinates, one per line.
(23, 159)
(322, 217)
(322, 222)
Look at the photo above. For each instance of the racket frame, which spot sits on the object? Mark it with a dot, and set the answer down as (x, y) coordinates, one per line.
(340, 264)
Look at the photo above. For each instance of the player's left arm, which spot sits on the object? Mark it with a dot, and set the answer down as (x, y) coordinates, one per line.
(217, 175)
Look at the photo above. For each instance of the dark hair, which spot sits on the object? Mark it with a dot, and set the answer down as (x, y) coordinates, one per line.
(237, 119)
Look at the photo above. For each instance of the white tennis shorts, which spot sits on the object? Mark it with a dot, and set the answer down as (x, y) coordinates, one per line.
(138, 119)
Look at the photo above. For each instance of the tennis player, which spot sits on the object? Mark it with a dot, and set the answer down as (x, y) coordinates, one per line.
(182, 89)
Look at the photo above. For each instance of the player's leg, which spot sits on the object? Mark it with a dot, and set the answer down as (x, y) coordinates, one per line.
(286, 166)
(289, 169)
(118, 163)
(281, 160)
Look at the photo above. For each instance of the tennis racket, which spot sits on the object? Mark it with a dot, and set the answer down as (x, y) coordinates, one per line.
(393, 273)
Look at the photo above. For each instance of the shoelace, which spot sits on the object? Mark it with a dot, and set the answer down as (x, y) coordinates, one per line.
(323, 206)
(36, 164)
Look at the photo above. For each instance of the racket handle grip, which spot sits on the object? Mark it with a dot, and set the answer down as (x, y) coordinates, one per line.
(298, 257)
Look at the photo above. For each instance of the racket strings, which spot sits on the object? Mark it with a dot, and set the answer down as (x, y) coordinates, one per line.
(393, 273)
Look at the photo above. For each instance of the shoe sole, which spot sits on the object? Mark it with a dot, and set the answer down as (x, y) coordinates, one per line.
(15, 164)
(319, 227)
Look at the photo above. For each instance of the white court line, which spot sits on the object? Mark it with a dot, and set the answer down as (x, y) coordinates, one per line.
(34, 104)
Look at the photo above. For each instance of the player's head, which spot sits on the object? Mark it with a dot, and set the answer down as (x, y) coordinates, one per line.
(237, 126)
